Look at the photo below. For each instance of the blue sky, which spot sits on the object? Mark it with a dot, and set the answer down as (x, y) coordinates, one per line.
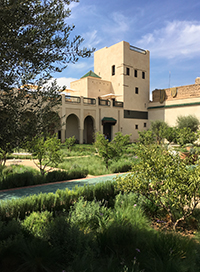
(170, 30)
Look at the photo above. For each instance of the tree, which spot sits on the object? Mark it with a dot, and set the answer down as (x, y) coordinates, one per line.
(165, 180)
(46, 150)
(189, 121)
(69, 142)
(159, 130)
(185, 135)
(35, 40)
(171, 134)
(25, 114)
(146, 137)
(111, 150)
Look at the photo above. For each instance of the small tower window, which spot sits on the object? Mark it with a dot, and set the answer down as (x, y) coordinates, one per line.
(113, 70)
(136, 126)
(143, 75)
(135, 73)
(136, 90)
(127, 71)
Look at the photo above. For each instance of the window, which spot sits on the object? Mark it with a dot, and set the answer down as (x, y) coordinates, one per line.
(113, 70)
(143, 75)
(135, 73)
(145, 124)
(136, 126)
(127, 71)
(136, 90)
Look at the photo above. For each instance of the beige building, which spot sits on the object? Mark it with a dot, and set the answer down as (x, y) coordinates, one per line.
(170, 103)
(113, 98)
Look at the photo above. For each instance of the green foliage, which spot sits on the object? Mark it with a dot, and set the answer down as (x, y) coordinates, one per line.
(62, 200)
(35, 42)
(69, 142)
(159, 129)
(171, 134)
(121, 166)
(146, 137)
(90, 216)
(37, 223)
(94, 237)
(111, 150)
(46, 150)
(189, 121)
(164, 179)
(37, 39)
(185, 135)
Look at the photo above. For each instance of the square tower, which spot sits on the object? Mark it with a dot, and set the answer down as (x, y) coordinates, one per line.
(127, 68)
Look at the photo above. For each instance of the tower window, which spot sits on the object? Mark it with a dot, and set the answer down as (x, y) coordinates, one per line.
(136, 126)
(113, 70)
(135, 73)
(127, 71)
(136, 90)
(143, 75)
(145, 124)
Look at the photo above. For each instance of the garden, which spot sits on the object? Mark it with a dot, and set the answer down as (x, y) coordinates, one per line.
(145, 221)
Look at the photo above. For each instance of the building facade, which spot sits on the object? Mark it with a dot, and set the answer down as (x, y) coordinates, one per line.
(168, 104)
(115, 97)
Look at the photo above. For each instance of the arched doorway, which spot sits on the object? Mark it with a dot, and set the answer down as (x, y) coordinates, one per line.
(88, 135)
(72, 127)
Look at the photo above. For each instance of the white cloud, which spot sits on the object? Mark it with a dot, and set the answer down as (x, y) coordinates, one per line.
(118, 24)
(177, 39)
(91, 39)
(63, 81)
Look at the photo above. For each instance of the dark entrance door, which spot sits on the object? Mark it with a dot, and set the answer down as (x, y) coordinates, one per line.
(107, 129)
(89, 130)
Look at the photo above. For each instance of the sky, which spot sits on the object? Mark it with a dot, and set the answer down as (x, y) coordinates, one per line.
(170, 30)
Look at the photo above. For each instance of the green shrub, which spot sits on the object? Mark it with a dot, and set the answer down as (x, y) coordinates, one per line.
(89, 215)
(165, 180)
(61, 201)
(121, 166)
(71, 243)
(56, 175)
(20, 180)
(37, 223)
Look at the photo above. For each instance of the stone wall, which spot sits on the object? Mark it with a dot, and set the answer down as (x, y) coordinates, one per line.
(177, 93)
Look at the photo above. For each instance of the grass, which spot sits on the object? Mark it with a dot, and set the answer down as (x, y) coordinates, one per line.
(93, 237)
(95, 165)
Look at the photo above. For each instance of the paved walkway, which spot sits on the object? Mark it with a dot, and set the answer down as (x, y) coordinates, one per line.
(52, 187)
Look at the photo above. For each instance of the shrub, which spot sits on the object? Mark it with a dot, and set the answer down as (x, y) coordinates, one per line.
(190, 121)
(121, 166)
(37, 223)
(164, 179)
(56, 175)
(90, 216)
(71, 243)
(185, 135)
(146, 137)
(21, 180)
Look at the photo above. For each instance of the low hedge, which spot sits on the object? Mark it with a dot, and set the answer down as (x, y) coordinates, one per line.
(58, 202)
(10, 179)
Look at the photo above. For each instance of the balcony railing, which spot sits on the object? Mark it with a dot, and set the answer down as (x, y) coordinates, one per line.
(118, 104)
(89, 101)
(72, 99)
(104, 102)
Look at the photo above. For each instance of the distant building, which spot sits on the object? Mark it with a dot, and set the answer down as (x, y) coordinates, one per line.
(170, 103)
(115, 97)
